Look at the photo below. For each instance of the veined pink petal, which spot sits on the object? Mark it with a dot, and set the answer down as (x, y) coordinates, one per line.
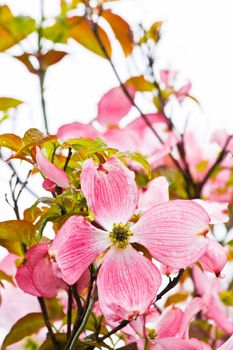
(193, 307)
(83, 281)
(51, 171)
(155, 193)
(45, 280)
(76, 246)
(173, 232)
(217, 211)
(127, 284)
(24, 280)
(214, 258)
(114, 105)
(171, 344)
(75, 130)
(228, 345)
(110, 191)
(169, 323)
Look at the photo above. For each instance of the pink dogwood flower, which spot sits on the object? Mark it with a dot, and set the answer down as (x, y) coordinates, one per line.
(173, 232)
(39, 276)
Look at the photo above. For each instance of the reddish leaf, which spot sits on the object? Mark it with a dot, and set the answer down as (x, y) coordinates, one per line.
(51, 57)
(121, 30)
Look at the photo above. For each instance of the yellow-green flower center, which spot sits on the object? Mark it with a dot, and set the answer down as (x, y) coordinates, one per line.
(120, 235)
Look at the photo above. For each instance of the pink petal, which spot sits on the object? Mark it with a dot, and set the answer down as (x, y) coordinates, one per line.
(49, 185)
(216, 211)
(8, 264)
(183, 91)
(217, 312)
(76, 246)
(121, 139)
(139, 125)
(220, 137)
(83, 281)
(51, 171)
(37, 252)
(171, 344)
(155, 193)
(110, 191)
(76, 130)
(127, 284)
(228, 345)
(24, 280)
(201, 281)
(173, 232)
(15, 304)
(169, 323)
(199, 345)
(214, 258)
(114, 105)
(45, 280)
(167, 76)
(193, 307)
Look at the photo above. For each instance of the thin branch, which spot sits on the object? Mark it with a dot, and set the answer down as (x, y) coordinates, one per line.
(69, 313)
(130, 98)
(48, 324)
(41, 71)
(172, 283)
(71, 345)
(219, 159)
(114, 330)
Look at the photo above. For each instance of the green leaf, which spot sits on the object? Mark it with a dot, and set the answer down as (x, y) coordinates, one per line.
(13, 28)
(227, 297)
(8, 103)
(58, 32)
(11, 141)
(61, 338)
(200, 329)
(12, 246)
(17, 230)
(81, 29)
(176, 298)
(121, 30)
(87, 147)
(24, 327)
(137, 157)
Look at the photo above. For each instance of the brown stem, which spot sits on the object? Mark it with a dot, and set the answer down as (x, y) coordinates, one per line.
(48, 324)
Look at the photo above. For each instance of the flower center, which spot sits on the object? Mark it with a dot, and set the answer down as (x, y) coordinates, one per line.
(120, 235)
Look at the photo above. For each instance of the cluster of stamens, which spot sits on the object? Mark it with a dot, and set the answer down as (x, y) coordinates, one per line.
(120, 235)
